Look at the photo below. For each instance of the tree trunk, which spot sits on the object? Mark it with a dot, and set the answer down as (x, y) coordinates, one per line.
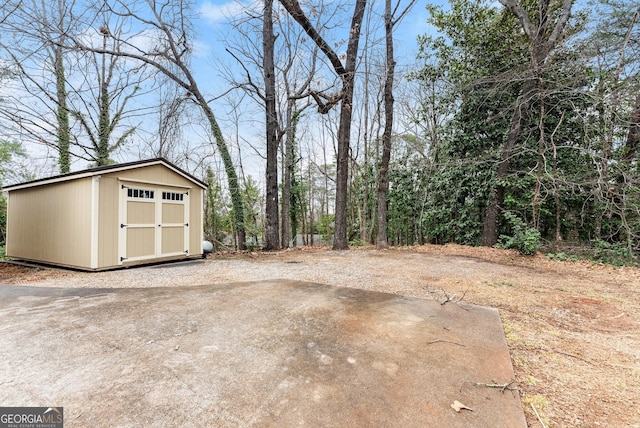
(232, 176)
(347, 75)
(556, 187)
(490, 228)
(633, 137)
(363, 212)
(288, 197)
(311, 224)
(340, 240)
(285, 220)
(272, 237)
(383, 173)
(104, 121)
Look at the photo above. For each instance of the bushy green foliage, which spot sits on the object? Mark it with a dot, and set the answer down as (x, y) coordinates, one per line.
(253, 226)
(406, 199)
(478, 42)
(364, 215)
(324, 226)
(357, 243)
(560, 175)
(522, 238)
(616, 254)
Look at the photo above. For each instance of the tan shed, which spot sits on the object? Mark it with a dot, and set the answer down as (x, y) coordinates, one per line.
(107, 217)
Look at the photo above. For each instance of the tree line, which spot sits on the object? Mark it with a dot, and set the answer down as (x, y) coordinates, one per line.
(517, 124)
(542, 143)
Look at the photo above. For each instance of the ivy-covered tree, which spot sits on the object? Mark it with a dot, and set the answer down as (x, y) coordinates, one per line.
(476, 63)
(543, 27)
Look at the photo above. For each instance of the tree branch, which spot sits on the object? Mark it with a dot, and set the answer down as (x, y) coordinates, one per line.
(403, 13)
(561, 23)
(249, 80)
(522, 16)
(294, 9)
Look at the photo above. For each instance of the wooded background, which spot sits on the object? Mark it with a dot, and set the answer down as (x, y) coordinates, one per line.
(517, 123)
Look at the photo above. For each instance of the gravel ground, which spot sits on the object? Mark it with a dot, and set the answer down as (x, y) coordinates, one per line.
(573, 329)
(406, 272)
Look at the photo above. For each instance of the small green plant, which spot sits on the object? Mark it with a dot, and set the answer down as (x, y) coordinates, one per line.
(501, 284)
(3, 253)
(524, 239)
(616, 254)
(563, 257)
(253, 246)
(357, 243)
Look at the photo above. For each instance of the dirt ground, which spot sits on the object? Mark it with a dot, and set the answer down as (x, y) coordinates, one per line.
(573, 328)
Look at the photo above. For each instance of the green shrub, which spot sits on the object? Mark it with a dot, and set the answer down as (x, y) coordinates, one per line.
(616, 254)
(357, 243)
(523, 238)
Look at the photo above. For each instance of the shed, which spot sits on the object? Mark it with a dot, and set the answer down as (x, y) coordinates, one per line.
(107, 217)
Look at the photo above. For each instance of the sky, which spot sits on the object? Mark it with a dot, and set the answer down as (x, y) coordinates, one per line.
(215, 17)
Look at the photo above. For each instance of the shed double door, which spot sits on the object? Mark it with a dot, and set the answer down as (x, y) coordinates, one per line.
(154, 222)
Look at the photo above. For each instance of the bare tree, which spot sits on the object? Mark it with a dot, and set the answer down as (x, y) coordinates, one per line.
(104, 105)
(59, 103)
(246, 51)
(346, 74)
(383, 172)
(169, 27)
(172, 107)
(296, 74)
(294, 68)
(37, 27)
(7, 9)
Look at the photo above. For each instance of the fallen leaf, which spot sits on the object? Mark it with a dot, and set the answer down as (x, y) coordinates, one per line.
(457, 406)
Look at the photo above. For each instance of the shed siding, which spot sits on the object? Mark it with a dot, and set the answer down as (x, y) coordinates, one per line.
(196, 210)
(108, 222)
(51, 223)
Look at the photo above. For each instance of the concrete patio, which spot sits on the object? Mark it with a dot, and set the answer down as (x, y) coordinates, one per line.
(270, 353)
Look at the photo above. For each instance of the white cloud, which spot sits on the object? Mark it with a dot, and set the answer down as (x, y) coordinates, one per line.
(215, 13)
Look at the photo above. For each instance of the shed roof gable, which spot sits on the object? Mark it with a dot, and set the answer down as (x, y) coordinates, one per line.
(104, 169)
